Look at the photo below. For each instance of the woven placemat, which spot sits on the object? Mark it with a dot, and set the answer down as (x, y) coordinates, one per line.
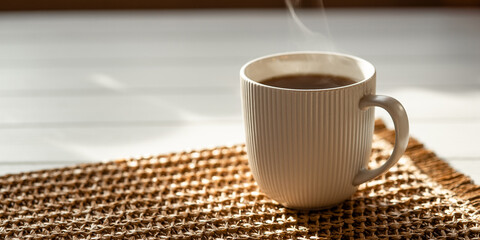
(211, 194)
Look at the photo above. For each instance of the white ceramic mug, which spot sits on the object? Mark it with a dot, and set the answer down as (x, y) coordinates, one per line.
(309, 149)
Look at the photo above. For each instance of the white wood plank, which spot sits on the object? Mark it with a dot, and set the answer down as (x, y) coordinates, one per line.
(446, 104)
(25, 78)
(76, 23)
(96, 143)
(221, 47)
(212, 36)
(73, 145)
(210, 48)
(437, 74)
(267, 30)
(157, 75)
(152, 21)
(192, 105)
(118, 108)
(448, 139)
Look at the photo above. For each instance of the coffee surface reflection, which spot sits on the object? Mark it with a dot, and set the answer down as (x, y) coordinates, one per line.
(308, 81)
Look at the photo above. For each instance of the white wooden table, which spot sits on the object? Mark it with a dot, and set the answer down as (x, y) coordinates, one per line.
(81, 87)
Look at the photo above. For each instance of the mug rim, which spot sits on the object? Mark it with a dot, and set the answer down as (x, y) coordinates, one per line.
(243, 76)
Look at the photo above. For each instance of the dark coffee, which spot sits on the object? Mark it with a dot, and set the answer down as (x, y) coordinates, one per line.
(308, 81)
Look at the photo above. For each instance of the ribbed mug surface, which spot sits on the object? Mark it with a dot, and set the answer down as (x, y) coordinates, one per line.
(306, 146)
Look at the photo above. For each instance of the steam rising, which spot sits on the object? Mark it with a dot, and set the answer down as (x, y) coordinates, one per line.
(312, 40)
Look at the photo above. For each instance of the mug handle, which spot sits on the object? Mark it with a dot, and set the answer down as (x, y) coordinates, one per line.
(400, 120)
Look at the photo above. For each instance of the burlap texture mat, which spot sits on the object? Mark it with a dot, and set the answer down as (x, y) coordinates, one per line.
(211, 194)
